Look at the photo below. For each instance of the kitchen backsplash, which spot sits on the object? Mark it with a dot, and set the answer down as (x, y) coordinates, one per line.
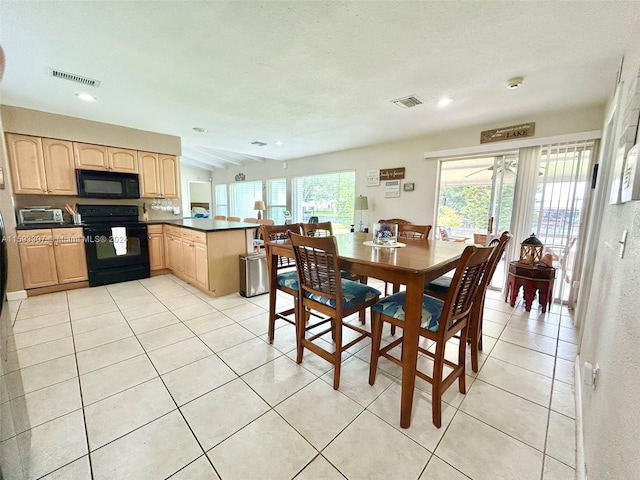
(59, 201)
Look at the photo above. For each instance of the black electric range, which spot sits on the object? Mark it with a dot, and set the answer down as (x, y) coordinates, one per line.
(116, 243)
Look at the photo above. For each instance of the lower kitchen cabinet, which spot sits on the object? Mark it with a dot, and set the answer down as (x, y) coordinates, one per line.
(51, 257)
(156, 247)
(208, 260)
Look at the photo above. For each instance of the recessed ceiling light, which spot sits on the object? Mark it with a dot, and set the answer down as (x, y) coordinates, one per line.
(444, 101)
(514, 83)
(278, 143)
(87, 97)
(199, 129)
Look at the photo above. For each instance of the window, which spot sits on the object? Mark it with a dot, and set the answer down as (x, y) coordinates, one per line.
(222, 206)
(242, 197)
(329, 197)
(276, 199)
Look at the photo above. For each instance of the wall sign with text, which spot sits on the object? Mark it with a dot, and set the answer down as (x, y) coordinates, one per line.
(508, 133)
(392, 173)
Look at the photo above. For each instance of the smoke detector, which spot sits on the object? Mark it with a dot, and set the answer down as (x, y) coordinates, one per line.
(514, 82)
(407, 102)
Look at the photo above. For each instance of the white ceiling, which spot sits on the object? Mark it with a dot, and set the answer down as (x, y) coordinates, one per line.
(318, 76)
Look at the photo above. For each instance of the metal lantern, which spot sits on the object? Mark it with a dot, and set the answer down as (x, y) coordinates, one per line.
(531, 250)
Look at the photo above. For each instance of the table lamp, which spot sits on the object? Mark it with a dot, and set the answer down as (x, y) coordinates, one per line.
(259, 206)
(361, 203)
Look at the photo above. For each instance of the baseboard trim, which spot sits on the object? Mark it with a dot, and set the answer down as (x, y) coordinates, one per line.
(581, 467)
(17, 295)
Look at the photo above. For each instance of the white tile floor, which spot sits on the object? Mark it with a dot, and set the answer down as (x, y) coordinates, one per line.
(153, 379)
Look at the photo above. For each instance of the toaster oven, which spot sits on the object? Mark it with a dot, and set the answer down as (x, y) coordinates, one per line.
(40, 215)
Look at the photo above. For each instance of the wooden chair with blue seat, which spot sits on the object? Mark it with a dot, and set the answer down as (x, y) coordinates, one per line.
(323, 291)
(440, 287)
(325, 229)
(287, 278)
(441, 320)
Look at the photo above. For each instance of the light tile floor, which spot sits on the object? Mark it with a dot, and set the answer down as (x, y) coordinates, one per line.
(154, 379)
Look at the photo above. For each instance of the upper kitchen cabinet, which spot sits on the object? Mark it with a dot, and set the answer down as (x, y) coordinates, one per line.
(158, 175)
(41, 165)
(122, 160)
(98, 157)
(169, 175)
(91, 157)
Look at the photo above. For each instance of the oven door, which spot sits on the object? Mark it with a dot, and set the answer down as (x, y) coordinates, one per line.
(112, 257)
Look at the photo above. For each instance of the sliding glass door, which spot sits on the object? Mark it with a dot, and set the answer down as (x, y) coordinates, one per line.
(476, 200)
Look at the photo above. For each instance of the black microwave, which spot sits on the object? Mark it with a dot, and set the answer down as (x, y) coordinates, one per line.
(96, 184)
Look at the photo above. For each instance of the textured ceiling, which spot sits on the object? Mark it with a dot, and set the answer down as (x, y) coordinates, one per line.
(318, 76)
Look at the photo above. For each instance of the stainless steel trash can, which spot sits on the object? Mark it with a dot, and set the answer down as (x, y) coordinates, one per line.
(254, 276)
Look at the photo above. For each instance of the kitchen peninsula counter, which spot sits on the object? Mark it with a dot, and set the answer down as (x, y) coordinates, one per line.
(206, 224)
(201, 251)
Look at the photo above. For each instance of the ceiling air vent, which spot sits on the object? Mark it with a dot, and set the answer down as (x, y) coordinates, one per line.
(259, 144)
(72, 77)
(407, 102)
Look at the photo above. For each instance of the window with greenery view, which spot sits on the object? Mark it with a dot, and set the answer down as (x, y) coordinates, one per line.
(329, 197)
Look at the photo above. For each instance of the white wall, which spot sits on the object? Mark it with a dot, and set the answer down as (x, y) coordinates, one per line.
(611, 328)
(417, 206)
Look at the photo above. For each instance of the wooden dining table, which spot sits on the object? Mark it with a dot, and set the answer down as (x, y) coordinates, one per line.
(420, 261)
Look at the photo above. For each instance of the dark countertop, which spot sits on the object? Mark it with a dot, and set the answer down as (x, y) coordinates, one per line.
(200, 224)
(207, 224)
(36, 226)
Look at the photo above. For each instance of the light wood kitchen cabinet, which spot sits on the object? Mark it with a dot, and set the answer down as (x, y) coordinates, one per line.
(189, 259)
(187, 255)
(156, 247)
(202, 265)
(123, 160)
(51, 257)
(158, 175)
(99, 157)
(91, 157)
(169, 177)
(37, 258)
(174, 254)
(42, 166)
(71, 260)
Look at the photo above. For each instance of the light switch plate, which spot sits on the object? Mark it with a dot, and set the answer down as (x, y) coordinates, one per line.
(622, 244)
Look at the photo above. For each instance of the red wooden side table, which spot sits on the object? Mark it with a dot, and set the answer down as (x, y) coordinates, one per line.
(532, 278)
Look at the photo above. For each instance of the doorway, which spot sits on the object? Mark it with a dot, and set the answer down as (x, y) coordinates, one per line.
(200, 199)
(476, 200)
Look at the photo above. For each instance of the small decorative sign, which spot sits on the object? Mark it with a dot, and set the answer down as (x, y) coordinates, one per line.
(408, 187)
(392, 189)
(392, 173)
(373, 178)
(508, 133)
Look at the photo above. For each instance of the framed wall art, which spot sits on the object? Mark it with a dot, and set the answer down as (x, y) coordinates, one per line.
(392, 188)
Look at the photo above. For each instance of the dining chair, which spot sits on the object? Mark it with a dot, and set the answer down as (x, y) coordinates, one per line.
(399, 221)
(407, 231)
(321, 289)
(250, 220)
(325, 229)
(219, 217)
(439, 288)
(286, 276)
(233, 219)
(317, 229)
(265, 221)
(410, 230)
(441, 320)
